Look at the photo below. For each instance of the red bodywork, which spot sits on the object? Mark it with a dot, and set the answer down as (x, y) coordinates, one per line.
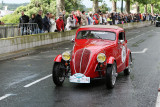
(85, 51)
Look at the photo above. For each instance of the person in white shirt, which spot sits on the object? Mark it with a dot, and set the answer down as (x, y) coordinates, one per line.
(52, 24)
(70, 22)
(90, 18)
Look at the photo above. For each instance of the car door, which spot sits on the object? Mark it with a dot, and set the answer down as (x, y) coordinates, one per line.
(122, 49)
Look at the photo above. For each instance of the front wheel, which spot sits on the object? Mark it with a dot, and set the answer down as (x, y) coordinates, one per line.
(128, 70)
(111, 75)
(58, 74)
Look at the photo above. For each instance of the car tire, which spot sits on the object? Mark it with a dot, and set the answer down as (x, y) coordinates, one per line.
(128, 70)
(58, 74)
(111, 75)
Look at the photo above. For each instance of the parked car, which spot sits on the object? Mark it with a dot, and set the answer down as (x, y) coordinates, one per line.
(99, 51)
(158, 21)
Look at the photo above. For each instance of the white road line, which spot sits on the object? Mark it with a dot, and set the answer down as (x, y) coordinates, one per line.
(139, 35)
(158, 99)
(144, 51)
(28, 85)
(5, 96)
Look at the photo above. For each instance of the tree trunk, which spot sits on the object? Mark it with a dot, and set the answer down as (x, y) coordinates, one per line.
(152, 9)
(128, 6)
(95, 6)
(145, 9)
(137, 7)
(114, 6)
(60, 7)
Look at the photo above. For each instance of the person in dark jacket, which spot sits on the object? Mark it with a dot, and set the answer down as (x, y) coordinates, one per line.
(32, 24)
(46, 23)
(22, 23)
(39, 21)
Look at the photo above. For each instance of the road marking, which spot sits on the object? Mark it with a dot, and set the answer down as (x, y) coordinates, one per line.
(134, 31)
(28, 85)
(144, 51)
(5, 96)
(158, 99)
(139, 35)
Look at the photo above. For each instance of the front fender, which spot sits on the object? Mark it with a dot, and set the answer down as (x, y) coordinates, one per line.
(58, 58)
(110, 60)
(127, 59)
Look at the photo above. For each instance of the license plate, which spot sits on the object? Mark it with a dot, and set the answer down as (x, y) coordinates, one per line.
(79, 78)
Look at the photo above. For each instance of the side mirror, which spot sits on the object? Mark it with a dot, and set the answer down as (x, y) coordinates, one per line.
(73, 40)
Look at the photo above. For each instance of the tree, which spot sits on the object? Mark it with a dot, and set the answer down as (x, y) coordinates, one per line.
(128, 6)
(95, 5)
(103, 7)
(114, 5)
(137, 7)
(60, 6)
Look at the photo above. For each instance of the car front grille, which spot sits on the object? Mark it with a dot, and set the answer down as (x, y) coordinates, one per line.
(82, 57)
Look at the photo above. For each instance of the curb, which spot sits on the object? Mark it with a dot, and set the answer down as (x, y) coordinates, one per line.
(30, 51)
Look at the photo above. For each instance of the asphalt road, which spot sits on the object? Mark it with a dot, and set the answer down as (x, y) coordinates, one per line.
(137, 90)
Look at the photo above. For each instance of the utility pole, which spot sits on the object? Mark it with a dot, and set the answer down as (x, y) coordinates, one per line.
(122, 6)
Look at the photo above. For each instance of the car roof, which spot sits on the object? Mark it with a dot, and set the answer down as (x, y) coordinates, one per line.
(102, 26)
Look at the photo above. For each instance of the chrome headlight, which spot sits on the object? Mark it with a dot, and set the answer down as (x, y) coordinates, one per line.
(66, 56)
(101, 57)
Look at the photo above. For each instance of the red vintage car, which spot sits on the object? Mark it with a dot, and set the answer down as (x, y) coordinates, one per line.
(99, 51)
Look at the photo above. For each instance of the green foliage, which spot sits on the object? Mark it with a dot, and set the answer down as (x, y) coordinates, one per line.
(45, 5)
(103, 7)
(12, 18)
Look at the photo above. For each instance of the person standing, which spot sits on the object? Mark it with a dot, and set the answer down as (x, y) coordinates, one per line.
(46, 23)
(70, 22)
(39, 21)
(84, 19)
(23, 20)
(32, 24)
(91, 18)
(96, 18)
(64, 18)
(60, 23)
(53, 24)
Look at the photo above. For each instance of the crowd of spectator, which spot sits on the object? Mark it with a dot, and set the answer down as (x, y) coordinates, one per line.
(76, 19)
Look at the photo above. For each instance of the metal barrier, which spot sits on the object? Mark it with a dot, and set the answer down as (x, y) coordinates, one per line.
(12, 30)
(28, 28)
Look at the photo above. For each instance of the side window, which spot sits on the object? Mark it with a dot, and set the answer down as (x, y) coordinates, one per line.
(121, 36)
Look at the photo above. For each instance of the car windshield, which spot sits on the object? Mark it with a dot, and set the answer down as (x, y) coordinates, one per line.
(96, 35)
(158, 18)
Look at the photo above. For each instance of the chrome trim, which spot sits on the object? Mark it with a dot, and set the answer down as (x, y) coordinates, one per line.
(75, 59)
(81, 60)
